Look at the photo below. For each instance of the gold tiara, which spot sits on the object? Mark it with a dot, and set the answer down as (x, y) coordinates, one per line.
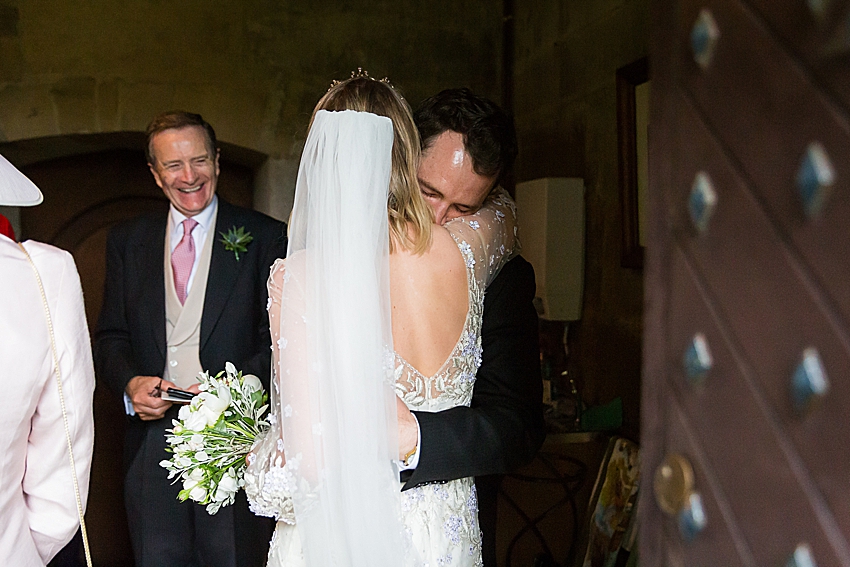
(361, 73)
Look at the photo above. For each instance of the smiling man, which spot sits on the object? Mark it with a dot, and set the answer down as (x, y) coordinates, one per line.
(468, 145)
(178, 301)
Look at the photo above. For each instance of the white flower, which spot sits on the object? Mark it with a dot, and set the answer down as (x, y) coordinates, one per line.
(220, 494)
(211, 407)
(210, 416)
(228, 483)
(224, 399)
(201, 456)
(196, 421)
(193, 480)
(230, 369)
(198, 494)
(183, 413)
(227, 486)
(252, 382)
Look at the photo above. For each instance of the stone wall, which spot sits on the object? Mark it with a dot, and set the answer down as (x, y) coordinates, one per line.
(566, 57)
(253, 68)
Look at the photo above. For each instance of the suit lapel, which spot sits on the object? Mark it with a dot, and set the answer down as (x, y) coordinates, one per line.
(151, 249)
(224, 270)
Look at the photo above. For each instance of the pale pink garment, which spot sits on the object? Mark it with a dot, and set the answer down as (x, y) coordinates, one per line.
(37, 504)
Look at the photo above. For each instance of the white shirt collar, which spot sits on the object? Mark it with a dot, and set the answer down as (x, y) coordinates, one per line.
(204, 218)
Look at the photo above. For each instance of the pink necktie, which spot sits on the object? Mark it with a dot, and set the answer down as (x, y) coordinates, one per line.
(183, 258)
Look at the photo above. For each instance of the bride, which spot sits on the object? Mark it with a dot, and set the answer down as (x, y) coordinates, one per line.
(374, 306)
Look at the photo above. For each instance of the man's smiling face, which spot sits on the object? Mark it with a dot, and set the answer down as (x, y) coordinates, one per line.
(186, 168)
(448, 180)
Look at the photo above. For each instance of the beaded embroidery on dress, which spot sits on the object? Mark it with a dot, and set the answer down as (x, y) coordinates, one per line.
(441, 520)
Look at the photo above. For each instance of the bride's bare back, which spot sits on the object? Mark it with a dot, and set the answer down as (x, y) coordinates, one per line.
(430, 300)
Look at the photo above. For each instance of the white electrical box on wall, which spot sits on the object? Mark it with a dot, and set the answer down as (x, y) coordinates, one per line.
(550, 215)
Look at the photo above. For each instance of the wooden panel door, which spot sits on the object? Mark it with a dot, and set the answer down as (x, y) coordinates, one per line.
(745, 450)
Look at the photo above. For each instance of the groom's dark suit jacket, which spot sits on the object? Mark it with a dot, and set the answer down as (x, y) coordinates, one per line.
(503, 428)
(130, 338)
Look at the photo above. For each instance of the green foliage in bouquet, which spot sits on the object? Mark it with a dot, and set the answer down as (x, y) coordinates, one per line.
(214, 434)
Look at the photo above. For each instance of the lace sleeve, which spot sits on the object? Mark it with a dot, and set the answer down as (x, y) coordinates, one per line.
(266, 477)
(488, 238)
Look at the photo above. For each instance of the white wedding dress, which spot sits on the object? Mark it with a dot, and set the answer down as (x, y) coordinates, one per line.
(437, 523)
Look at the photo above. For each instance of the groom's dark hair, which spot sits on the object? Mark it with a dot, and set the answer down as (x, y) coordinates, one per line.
(488, 131)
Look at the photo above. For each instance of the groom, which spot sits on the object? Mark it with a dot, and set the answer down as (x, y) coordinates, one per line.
(468, 145)
(178, 300)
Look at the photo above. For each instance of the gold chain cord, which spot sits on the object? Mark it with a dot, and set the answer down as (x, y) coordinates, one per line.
(62, 404)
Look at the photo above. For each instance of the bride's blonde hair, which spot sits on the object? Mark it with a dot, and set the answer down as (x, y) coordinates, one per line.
(410, 217)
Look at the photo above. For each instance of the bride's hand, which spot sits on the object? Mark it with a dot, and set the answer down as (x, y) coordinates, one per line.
(408, 429)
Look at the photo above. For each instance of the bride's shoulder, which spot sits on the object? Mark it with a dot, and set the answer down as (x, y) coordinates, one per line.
(282, 269)
(442, 241)
(442, 253)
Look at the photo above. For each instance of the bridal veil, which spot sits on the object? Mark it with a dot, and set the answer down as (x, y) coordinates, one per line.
(337, 406)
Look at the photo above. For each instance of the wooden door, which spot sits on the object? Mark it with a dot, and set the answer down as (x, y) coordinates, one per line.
(747, 330)
(84, 197)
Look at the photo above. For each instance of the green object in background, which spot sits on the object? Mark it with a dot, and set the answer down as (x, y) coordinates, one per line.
(603, 418)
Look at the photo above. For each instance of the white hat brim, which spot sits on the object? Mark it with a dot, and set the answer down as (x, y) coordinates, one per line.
(16, 190)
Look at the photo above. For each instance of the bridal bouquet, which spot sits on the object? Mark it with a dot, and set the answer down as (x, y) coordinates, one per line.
(213, 435)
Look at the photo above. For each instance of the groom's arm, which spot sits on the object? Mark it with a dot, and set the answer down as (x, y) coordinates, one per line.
(503, 427)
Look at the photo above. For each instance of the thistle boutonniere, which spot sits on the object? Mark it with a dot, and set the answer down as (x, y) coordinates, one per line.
(236, 240)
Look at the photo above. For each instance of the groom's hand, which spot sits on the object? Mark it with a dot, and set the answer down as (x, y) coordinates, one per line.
(408, 430)
(146, 394)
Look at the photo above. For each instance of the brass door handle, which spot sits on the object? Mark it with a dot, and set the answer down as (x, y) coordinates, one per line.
(674, 482)
(675, 494)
